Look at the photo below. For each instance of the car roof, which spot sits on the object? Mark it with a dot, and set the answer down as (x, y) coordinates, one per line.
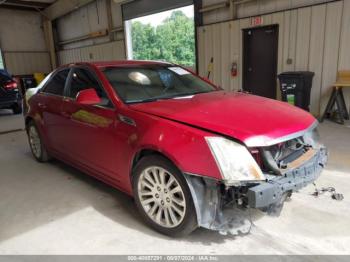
(119, 63)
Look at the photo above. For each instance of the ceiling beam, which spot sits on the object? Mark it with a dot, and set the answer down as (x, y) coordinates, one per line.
(24, 4)
(63, 7)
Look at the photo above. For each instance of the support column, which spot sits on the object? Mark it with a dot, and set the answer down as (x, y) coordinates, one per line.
(233, 10)
(47, 24)
(109, 18)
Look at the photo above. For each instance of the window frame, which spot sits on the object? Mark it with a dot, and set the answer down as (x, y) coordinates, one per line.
(93, 74)
(42, 90)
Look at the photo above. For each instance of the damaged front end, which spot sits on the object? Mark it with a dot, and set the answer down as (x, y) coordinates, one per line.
(287, 167)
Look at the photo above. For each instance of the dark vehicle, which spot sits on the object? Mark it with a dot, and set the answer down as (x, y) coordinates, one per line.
(10, 96)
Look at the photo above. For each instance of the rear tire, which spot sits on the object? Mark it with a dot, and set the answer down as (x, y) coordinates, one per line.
(17, 108)
(36, 144)
(163, 197)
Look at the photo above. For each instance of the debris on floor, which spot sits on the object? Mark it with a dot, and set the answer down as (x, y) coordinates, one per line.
(237, 222)
(334, 194)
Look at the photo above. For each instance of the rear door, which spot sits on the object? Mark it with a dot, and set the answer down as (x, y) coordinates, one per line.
(49, 104)
(89, 129)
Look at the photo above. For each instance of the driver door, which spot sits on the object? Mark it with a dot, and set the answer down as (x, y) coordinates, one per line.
(90, 136)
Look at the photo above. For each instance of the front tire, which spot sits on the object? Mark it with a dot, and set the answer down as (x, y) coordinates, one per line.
(163, 197)
(36, 144)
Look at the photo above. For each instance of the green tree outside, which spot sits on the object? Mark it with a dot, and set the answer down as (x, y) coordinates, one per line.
(171, 41)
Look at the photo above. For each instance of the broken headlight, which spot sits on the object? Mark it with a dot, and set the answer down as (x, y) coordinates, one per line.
(235, 162)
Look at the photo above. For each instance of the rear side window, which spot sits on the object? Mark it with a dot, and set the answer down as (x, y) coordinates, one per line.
(43, 83)
(56, 85)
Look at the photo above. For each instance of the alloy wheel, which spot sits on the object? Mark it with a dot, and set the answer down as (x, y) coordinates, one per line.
(161, 196)
(34, 140)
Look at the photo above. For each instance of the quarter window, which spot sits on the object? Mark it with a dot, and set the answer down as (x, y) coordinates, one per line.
(57, 83)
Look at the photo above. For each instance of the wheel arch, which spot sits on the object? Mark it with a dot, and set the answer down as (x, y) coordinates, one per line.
(202, 189)
(147, 152)
(27, 120)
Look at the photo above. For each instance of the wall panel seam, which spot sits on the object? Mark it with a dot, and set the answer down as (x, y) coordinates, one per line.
(323, 54)
(310, 28)
(340, 34)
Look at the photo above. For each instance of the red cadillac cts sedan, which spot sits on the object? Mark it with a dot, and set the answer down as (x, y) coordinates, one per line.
(191, 154)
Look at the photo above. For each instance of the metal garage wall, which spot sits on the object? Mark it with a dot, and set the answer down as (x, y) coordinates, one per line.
(102, 52)
(254, 7)
(22, 42)
(23, 63)
(83, 21)
(315, 38)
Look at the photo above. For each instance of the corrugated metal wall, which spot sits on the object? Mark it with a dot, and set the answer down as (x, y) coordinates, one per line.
(254, 7)
(23, 63)
(85, 20)
(102, 52)
(316, 38)
(22, 42)
(81, 22)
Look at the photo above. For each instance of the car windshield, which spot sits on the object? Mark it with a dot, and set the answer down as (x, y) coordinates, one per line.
(150, 83)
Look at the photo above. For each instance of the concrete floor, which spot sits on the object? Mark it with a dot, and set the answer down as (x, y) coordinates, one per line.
(9, 121)
(54, 209)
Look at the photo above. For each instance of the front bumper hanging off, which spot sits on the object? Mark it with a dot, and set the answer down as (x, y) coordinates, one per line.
(217, 208)
(272, 191)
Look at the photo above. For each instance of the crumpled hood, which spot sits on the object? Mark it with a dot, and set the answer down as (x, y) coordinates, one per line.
(254, 120)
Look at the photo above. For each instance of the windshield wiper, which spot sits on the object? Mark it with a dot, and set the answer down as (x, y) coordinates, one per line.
(191, 94)
(156, 98)
(148, 100)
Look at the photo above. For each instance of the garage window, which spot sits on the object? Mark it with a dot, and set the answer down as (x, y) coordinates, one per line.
(165, 36)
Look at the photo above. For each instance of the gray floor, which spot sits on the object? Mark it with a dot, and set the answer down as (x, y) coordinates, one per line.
(9, 121)
(54, 209)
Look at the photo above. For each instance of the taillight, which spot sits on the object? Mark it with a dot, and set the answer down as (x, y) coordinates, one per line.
(10, 86)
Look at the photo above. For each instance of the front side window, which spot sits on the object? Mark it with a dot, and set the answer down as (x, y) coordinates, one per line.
(82, 79)
(56, 85)
(141, 84)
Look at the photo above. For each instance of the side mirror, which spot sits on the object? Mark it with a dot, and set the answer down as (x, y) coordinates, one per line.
(88, 97)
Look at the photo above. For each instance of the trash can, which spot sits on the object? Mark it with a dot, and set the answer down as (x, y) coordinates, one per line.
(39, 77)
(296, 88)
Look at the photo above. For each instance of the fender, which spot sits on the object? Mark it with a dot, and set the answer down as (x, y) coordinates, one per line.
(184, 145)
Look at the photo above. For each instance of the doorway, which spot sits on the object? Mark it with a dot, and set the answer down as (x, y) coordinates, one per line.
(260, 52)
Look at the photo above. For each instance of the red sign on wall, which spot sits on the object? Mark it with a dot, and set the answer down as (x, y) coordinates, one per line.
(256, 21)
